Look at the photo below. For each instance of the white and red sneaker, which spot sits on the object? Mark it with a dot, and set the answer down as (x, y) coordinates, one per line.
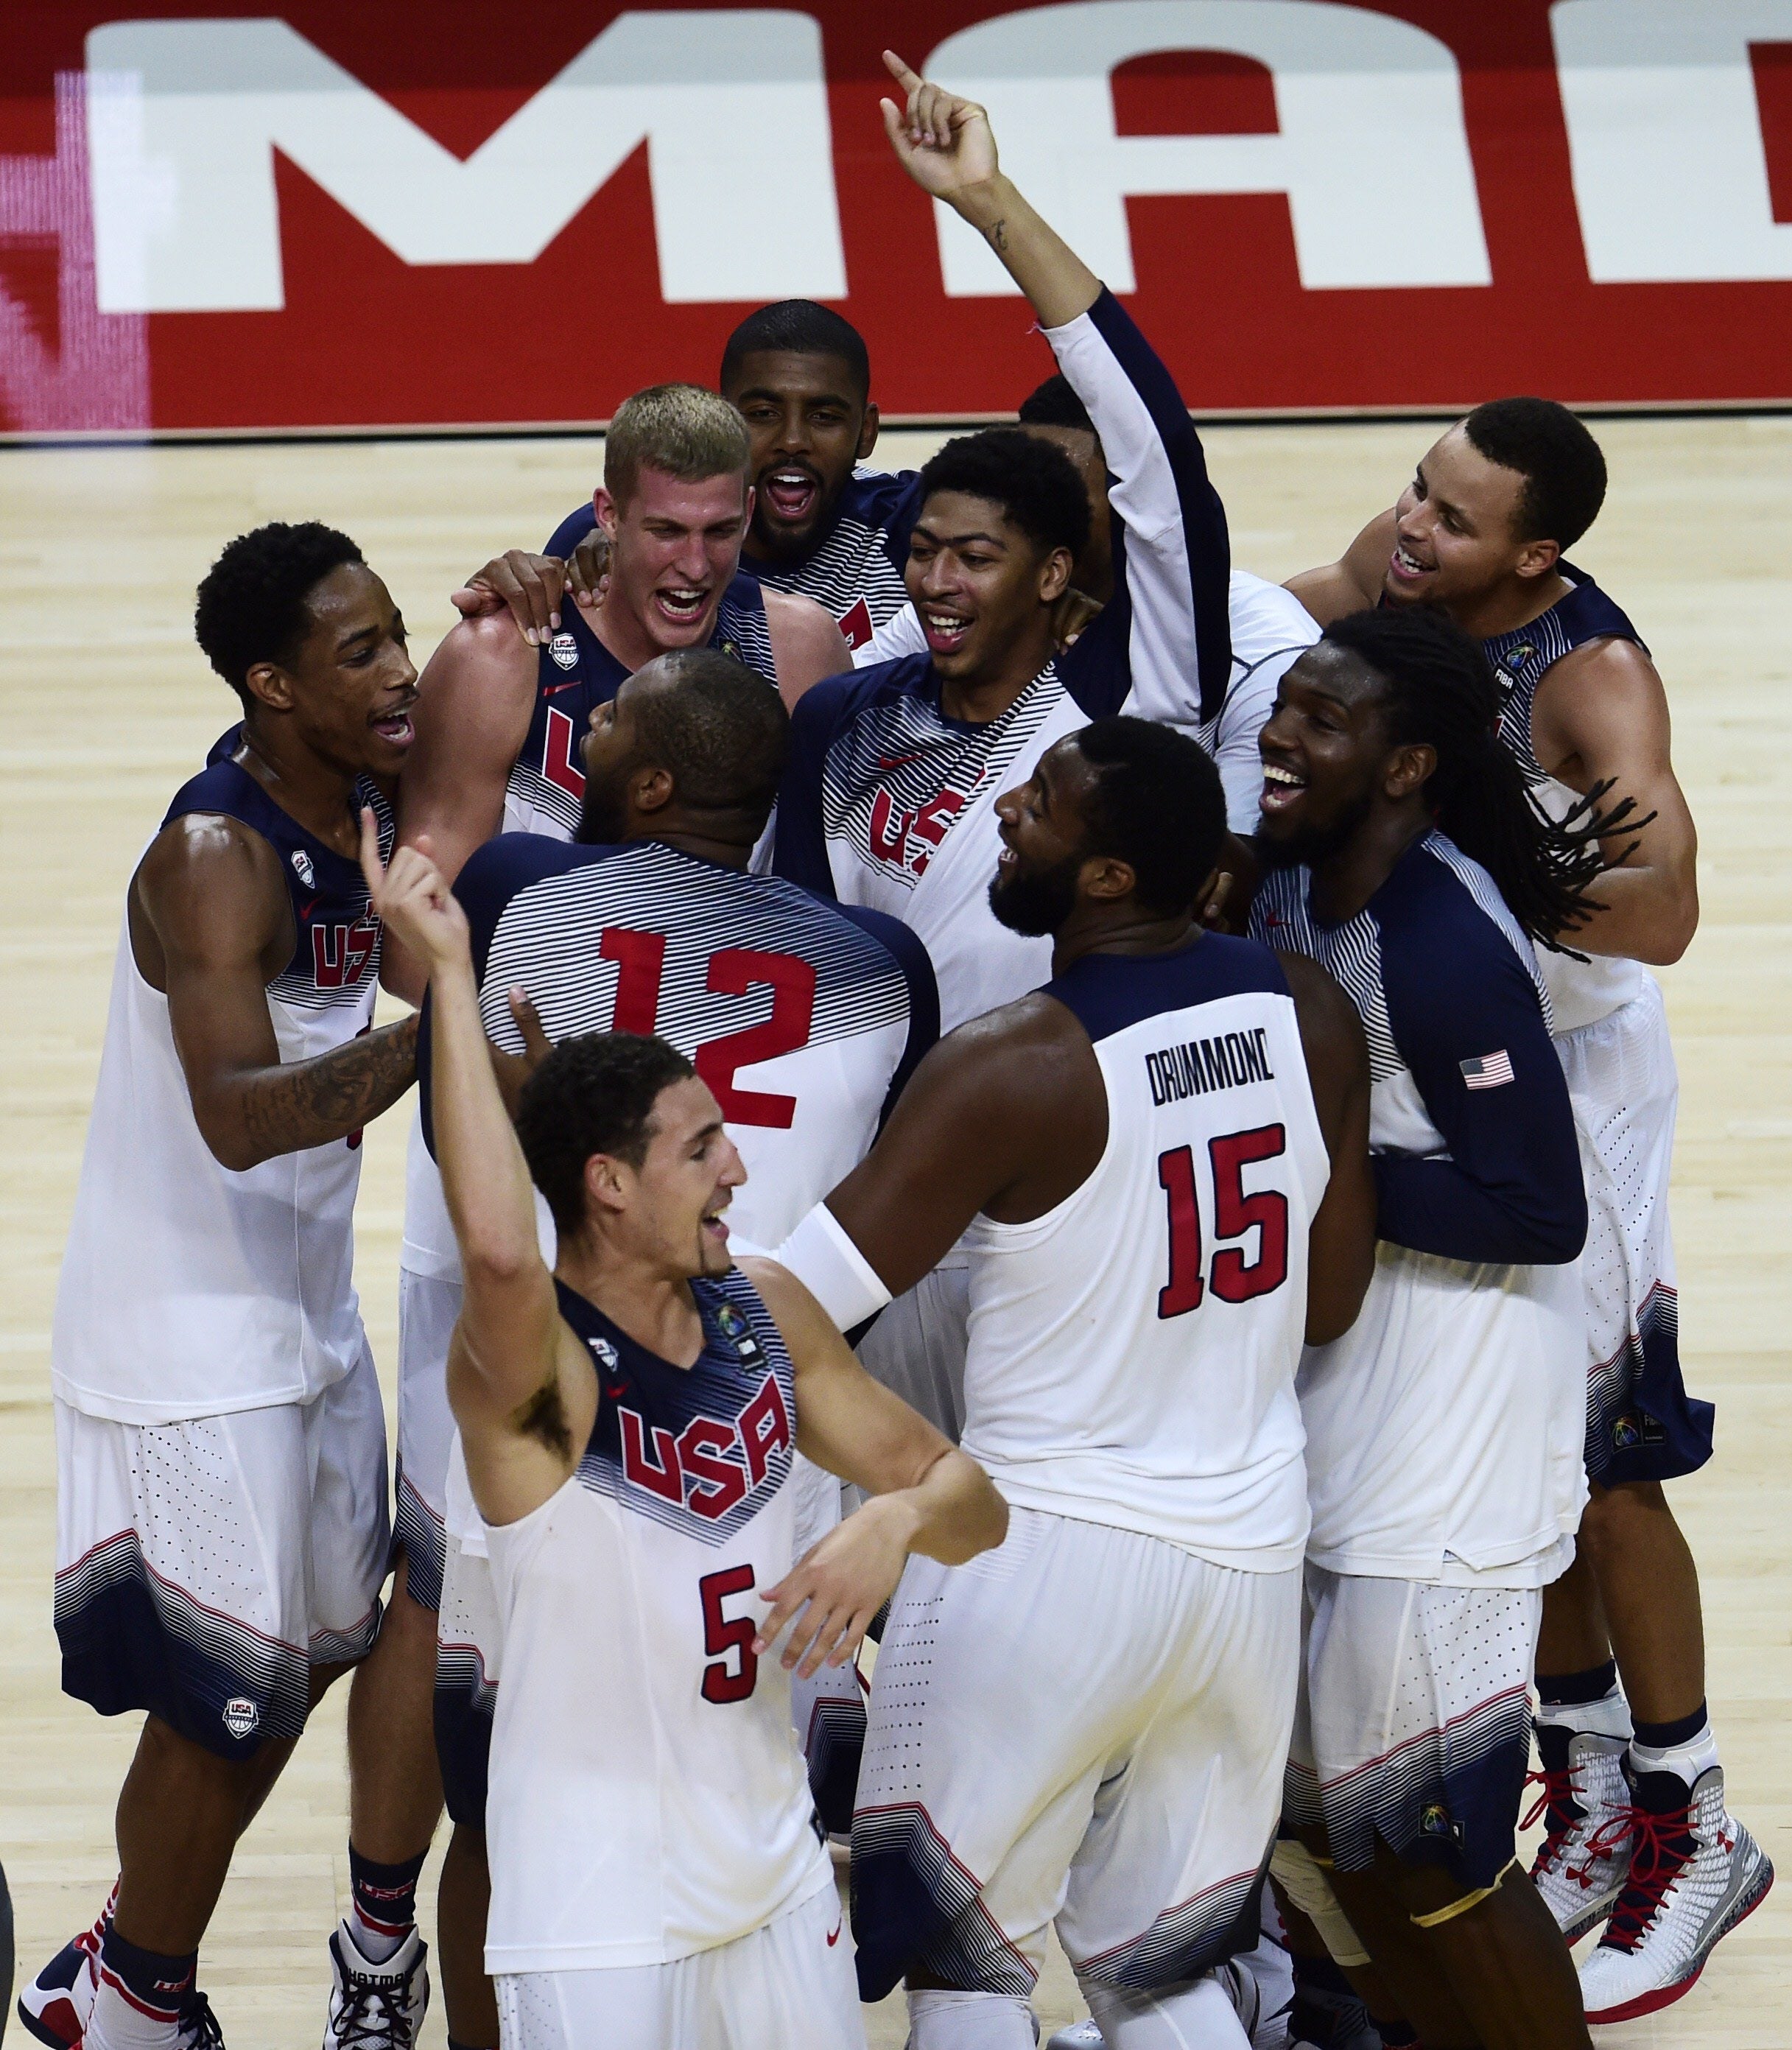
(1584, 1859)
(55, 2005)
(1695, 1872)
(377, 2006)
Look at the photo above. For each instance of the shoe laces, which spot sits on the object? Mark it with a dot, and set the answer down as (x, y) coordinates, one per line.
(1662, 1847)
(1557, 1806)
(199, 2026)
(372, 2015)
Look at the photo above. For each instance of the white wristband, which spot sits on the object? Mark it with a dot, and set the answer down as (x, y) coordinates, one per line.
(831, 1268)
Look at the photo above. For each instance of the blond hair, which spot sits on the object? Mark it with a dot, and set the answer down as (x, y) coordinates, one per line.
(681, 430)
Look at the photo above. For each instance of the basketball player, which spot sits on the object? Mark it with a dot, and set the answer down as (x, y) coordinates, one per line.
(222, 1522)
(823, 526)
(1139, 1158)
(1444, 1430)
(805, 1019)
(630, 1419)
(1638, 1829)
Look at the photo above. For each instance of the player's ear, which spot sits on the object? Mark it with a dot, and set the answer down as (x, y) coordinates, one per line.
(1537, 559)
(605, 1189)
(269, 684)
(867, 432)
(1108, 878)
(608, 513)
(1054, 575)
(651, 788)
(1409, 767)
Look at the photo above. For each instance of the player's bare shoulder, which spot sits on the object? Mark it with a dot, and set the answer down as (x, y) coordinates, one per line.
(210, 888)
(1604, 687)
(1354, 582)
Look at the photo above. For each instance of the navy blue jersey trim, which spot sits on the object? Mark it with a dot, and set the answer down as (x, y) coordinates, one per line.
(1109, 993)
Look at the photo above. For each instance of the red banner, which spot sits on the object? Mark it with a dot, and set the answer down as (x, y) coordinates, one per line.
(432, 211)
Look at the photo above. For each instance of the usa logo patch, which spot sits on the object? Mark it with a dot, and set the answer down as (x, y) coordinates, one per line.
(241, 1715)
(564, 650)
(302, 868)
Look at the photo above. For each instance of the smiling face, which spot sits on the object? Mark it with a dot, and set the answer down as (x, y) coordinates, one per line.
(668, 1212)
(1458, 533)
(675, 547)
(1045, 844)
(810, 424)
(348, 685)
(1327, 756)
(978, 582)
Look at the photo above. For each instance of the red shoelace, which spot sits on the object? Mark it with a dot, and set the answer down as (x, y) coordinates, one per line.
(1663, 1847)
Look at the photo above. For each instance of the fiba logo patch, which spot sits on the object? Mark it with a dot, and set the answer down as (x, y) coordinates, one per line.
(302, 868)
(241, 1715)
(1436, 1820)
(1635, 1427)
(604, 1352)
(730, 1320)
(564, 650)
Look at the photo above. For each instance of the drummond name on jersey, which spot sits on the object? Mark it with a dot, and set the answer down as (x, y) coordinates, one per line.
(1197, 1066)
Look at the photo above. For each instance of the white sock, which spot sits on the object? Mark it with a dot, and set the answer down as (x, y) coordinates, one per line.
(1609, 1717)
(1197, 2017)
(119, 2023)
(1685, 1761)
(378, 1947)
(970, 2021)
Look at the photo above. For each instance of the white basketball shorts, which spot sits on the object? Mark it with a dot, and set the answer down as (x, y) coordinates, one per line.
(1085, 1727)
(428, 1308)
(788, 1984)
(1414, 1724)
(1641, 1423)
(203, 1569)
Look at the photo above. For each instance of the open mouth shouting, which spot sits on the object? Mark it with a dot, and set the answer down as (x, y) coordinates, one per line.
(790, 492)
(1282, 787)
(679, 605)
(714, 1227)
(393, 724)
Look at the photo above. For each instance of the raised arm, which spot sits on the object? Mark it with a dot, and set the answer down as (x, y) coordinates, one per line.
(211, 925)
(475, 700)
(1341, 1240)
(510, 1385)
(1354, 583)
(1163, 644)
(1601, 714)
(926, 1496)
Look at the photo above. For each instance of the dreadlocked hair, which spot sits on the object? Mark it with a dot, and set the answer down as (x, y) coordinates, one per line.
(1441, 693)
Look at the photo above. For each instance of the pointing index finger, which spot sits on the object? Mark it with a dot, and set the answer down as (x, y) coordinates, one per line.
(908, 79)
(373, 867)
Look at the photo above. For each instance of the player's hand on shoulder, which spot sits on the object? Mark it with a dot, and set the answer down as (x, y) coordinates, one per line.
(412, 899)
(943, 142)
(528, 587)
(588, 570)
(828, 1598)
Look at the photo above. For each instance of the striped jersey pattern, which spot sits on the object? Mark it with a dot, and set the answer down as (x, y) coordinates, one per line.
(1522, 658)
(336, 963)
(543, 939)
(900, 772)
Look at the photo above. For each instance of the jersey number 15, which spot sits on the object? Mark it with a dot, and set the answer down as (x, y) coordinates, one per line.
(1231, 1277)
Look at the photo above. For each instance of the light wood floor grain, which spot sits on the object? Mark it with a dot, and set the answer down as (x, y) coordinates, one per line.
(105, 706)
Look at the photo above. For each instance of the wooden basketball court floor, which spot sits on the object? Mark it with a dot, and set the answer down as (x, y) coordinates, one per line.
(106, 708)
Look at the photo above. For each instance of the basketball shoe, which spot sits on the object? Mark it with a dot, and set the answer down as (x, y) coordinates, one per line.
(1584, 1859)
(55, 2005)
(376, 2007)
(1694, 1873)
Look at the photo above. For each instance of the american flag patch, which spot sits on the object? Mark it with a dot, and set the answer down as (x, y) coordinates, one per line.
(1490, 1071)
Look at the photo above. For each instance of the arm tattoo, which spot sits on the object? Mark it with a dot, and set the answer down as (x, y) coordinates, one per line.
(309, 1103)
(998, 234)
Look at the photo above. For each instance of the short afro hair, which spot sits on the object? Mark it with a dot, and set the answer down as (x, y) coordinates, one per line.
(593, 1094)
(1157, 805)
(1034, 481)
(252, 606)
(717, 726)
(1055, 403)
(798, 327)
(1560, 462)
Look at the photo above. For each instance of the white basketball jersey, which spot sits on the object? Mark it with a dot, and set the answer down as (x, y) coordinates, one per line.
(192, 1289)
(1133, 1351)
(647, 1796)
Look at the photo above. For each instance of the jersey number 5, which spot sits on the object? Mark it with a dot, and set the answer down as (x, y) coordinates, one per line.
(641, 960)
(724, 1683)
(1234, 1215)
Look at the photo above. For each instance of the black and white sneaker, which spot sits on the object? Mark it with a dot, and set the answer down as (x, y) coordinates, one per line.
(376, 2007)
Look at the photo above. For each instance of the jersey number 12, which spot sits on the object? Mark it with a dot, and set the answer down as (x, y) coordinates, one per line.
(1231, 1278)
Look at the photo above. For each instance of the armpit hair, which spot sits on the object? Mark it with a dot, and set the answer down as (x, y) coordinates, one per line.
(544, 1416)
